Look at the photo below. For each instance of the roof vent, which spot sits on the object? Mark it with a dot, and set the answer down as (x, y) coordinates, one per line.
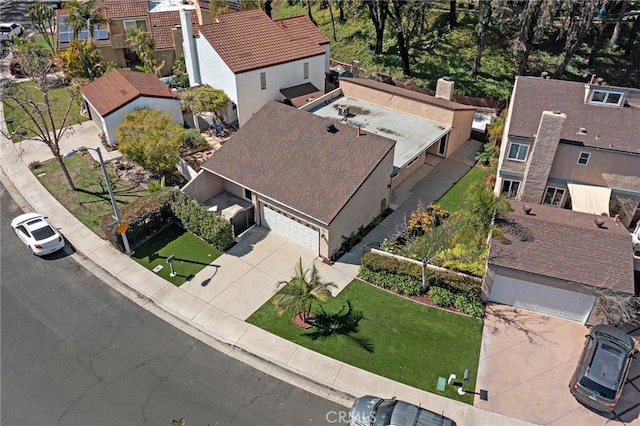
(582, 131)
(599, 81)
(599, 222)
(331, 128)
(527, 208)
(343, 110)
(544, 75)
(446, 78)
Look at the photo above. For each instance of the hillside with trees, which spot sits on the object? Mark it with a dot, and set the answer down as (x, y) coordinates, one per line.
(481, 44)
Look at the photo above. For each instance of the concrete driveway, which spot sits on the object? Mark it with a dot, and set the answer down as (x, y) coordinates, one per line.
(526, 362)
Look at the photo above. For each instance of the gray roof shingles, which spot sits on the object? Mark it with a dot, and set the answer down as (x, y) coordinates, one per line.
(607, 127)
(565, 245)
(287, 155)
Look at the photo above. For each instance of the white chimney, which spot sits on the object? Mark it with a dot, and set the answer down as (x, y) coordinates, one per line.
(190, 49)
(444, 88)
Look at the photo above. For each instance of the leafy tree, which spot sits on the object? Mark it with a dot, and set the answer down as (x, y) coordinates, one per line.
(309, 13)
(482, 206)
(144, 47)
(203, 99)
(487, 153)
(613, 41)
(304, 288)
(149, 138)
(84, 15)
(37, 104)
(180, 75)
(580, 21)
(43, 19)
(82, 61)
(408, 16)
(378, 12)
(484, 21)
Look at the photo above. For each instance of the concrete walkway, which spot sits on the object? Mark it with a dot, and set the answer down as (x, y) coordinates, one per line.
(213, 306)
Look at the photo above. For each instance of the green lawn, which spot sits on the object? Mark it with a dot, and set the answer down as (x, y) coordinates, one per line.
(454, 199)
(59, 99)
(412, 343)
(191, 254)
(91, 201)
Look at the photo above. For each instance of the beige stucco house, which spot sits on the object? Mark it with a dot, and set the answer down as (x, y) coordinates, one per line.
(573, 145)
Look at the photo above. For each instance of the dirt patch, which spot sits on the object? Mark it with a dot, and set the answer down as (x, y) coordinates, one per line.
(301, 323)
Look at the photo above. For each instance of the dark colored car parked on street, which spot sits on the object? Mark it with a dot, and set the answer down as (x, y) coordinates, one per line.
(602, 368)
(374, 411)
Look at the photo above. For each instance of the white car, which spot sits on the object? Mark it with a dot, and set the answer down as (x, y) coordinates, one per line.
(38, 234)
(10, 29)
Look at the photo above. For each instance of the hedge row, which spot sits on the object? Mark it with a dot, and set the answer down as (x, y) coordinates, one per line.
(464, 302)
(378, 262)
(402, 284)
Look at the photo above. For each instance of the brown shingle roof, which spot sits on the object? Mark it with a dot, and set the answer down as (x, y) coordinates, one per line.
(409, 94)
(298, 27)
(565, 245)
(119, 87)
(118, 9)
(249, 40)
(607, 127)
(162, 24)
(287, 155)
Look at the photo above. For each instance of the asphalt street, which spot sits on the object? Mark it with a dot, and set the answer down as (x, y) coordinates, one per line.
(75, 352)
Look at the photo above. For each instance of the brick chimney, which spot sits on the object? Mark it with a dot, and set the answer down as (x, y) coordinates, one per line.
(444, 88)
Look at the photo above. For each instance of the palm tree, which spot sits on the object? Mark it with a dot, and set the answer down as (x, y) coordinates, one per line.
(304, 288)
(84, 15)
(143, 46)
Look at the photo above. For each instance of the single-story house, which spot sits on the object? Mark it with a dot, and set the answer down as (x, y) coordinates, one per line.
(556, 261)
(313, 180)
(108, 98)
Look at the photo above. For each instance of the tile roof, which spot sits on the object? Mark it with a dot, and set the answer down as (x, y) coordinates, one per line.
(118, 9)
(565, 245)
(409, 94)
(119, 87)
(607, 127)
(287, 155)
(298, 27)
(161, 26)
(249, 40)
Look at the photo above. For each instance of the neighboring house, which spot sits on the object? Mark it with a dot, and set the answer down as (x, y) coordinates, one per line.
(253, 59)
(110, 97)
(556, 261)
(160, 19)
(421, 125)
(313, 180)
(573, 145)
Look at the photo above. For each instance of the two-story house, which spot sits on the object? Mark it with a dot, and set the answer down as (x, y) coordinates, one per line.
(254, 59)
(573, 145)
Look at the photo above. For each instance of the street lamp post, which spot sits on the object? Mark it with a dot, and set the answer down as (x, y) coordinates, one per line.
(116, 211)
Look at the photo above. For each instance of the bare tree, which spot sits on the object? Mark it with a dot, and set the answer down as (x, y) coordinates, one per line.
(484, 21)
(616, 30)
(408, 17)
(37, 103)
(43, 18)
(378, 12)
(614, 308)
(579, 26)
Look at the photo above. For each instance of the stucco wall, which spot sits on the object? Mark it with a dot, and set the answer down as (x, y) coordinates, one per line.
(405, 172)
(605, 168)
(169, 106)
(213, 71)
(204, 186)
(251, 97)
(364, 206)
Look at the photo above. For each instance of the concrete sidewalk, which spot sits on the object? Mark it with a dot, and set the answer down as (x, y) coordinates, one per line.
(213, 306)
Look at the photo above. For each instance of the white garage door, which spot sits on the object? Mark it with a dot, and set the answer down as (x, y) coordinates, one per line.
(542, 298)
(295, 231)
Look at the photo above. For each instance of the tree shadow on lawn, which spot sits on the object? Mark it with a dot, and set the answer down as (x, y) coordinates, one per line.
(343, 323)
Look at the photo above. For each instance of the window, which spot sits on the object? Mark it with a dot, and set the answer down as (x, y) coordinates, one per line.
(248, 194)
(134, 25)
(583, 158)
(606, 97)
(65, 32)
(263, 80)
(305, 68)
(518, 152)
(510, 187)
(442, 146)
(553, 196)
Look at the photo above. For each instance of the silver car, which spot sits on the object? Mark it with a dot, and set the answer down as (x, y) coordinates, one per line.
(374, 411)
(38, 234)
(602, 368)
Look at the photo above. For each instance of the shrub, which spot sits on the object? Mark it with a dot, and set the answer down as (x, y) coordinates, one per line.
(470, 305)
(442, 296)
(379, 262)
(402, 284)
(455, 283)
(193, 138)
(214, 229)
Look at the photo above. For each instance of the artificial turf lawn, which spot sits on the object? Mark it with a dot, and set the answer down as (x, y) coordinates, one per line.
(412, 343)
(191, 254)
(455, 197)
